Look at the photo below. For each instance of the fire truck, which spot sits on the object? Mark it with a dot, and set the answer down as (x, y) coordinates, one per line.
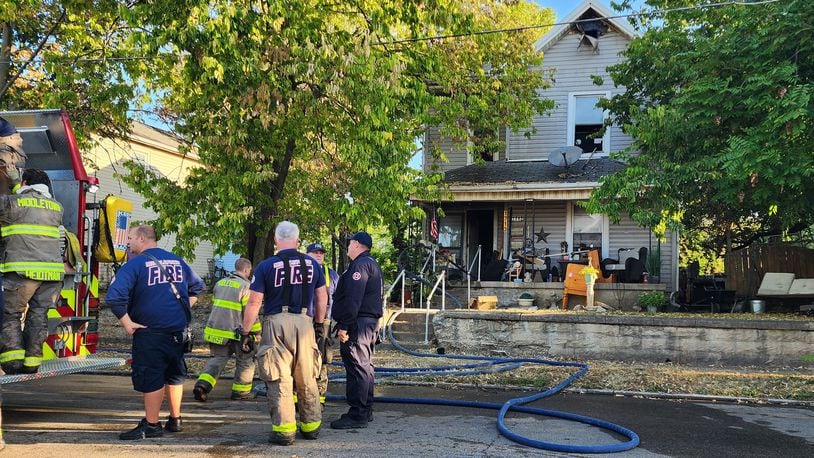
(95, 231)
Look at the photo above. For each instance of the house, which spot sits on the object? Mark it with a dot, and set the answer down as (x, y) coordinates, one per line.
(159, 149)
(527, 195)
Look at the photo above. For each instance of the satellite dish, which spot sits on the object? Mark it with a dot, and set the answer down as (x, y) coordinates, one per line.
(565, 156)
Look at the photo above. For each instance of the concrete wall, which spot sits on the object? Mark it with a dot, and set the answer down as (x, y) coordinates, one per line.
(623, 296)
(626, 338)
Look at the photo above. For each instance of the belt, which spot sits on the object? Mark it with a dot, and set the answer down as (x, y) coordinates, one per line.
(289, 310)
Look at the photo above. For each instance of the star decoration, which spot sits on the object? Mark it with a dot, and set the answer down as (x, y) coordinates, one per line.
(542, 235)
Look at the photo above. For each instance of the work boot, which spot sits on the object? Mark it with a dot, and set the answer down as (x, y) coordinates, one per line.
(30, 369)
(241, 395)
(173, 425)
(143, 431)
(12, 367)
(348, 422)
(200, 392)
(281, 439)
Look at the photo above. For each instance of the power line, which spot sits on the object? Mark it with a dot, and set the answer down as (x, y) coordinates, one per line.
(654, 13)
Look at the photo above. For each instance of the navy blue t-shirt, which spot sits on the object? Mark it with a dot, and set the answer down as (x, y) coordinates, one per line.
(142, 290)
(269, 279)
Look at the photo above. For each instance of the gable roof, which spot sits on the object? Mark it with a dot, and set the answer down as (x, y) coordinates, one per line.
(554, 35)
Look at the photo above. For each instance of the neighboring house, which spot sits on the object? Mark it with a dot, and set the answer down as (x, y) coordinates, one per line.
(519, 193)
(159, 150)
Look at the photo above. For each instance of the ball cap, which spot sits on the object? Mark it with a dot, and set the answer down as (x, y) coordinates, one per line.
(363, 238)
(315, 247)
(6, 128)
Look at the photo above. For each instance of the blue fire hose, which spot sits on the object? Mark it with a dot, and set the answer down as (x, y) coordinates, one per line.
(490, 365)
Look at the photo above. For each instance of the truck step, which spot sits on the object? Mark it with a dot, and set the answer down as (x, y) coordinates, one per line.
(63, 366)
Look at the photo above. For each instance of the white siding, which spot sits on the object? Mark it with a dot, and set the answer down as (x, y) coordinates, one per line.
(549, 215)
(573, 68)
(456, 155)
(105, 161)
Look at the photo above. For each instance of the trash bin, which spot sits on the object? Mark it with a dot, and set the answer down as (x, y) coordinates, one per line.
(757, 306)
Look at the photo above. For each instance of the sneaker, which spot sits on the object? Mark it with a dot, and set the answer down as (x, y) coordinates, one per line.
(173, 425)
(143, 431)
(200, 393)
(346, 422)
(241, 395)
(281, 439)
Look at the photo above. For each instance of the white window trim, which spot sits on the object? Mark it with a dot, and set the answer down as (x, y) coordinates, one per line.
(569, 230)
(606, 139)
(470, 160)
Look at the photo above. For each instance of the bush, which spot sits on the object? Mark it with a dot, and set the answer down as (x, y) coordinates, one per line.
(655, 298)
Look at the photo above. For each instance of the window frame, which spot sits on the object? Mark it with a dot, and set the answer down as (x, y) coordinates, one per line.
(569, 230)
(571, 124)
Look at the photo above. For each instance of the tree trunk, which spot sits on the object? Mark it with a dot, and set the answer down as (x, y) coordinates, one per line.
(5, 55)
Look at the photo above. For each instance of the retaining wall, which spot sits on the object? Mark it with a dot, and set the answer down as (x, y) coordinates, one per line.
(581, 336)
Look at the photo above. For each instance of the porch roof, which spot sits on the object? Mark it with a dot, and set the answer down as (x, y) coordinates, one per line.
(510, 181)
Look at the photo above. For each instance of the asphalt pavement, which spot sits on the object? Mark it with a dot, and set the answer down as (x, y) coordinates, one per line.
(81, 415)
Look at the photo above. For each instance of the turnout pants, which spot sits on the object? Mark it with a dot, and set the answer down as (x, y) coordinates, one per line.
(357, 356)
(23, 349)
(327, 358)
(287, 355)
(219, 356)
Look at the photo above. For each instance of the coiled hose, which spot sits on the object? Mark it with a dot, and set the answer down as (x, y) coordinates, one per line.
(489, 365)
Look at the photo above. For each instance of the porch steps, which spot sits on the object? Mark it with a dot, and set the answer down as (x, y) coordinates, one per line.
(408, 328)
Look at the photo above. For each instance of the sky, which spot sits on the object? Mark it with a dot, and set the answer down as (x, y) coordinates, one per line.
(563, 7)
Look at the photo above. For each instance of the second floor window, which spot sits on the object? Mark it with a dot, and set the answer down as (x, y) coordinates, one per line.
(585, 120)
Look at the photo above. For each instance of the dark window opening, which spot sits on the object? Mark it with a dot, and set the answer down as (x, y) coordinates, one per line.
(588, 137)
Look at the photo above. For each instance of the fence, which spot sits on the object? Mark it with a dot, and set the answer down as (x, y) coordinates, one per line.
(745, 268)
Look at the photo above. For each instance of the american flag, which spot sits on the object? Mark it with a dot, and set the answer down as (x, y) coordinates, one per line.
(434, 228)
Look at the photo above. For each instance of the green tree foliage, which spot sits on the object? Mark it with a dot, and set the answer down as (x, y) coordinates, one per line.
(719, 101)
(68, 54)
(309, 110)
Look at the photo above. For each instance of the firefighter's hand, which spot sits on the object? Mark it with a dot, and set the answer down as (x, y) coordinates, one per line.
(247, 343)
(130, 326)
(12, 172)
(342, 335)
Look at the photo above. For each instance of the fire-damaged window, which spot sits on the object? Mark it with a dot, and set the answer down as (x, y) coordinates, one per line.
(585, 123)
(590, 27)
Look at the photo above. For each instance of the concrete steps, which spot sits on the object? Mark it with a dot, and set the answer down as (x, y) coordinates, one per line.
(408, 328)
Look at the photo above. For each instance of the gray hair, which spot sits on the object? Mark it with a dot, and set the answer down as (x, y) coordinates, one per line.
(287, 231)
(243, 263)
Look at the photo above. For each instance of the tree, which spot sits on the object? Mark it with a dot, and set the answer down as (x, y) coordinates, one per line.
(309, 110)
(719, 101)
(68, 54)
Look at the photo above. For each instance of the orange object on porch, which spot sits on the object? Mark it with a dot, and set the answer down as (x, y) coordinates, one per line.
(574, 283)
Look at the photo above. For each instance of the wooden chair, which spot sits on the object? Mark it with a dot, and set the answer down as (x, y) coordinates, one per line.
(574, 283)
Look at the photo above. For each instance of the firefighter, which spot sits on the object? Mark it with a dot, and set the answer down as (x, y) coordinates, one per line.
(285, 284)
(317, 251)
(357, 309)
(230, 297)
(32, 269)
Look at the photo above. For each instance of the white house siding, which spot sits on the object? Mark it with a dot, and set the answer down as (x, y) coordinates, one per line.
(572, 73)
(106, 159)
(628, 234)
(457, 156)
(549, 215)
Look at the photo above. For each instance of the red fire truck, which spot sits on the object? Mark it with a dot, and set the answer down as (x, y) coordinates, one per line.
(95, 232)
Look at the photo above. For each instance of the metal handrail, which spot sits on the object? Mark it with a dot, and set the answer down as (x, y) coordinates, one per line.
(442, 280)
(400, 277)
(469, 276)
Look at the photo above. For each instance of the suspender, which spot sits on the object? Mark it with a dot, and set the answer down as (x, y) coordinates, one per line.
(287, 286)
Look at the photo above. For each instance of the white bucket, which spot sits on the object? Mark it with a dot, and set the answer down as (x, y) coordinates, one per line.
(758, 306)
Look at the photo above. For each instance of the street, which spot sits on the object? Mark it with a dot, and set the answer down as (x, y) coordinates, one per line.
(83, 414)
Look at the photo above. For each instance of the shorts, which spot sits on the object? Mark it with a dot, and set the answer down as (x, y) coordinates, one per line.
(158, 360)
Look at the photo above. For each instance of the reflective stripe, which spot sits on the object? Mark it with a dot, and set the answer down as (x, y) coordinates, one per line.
(227, 304)
(36, 270)
(295, 398)
(208, 379)
(219, 333)
(310, 427)
(30, 229)
(32, 361)
(327, 276)
(256, 327)
(241, 388)
(12, 355)
(322, 399)
(284, 428)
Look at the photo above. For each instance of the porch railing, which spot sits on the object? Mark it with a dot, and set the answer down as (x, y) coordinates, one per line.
(442, 281)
